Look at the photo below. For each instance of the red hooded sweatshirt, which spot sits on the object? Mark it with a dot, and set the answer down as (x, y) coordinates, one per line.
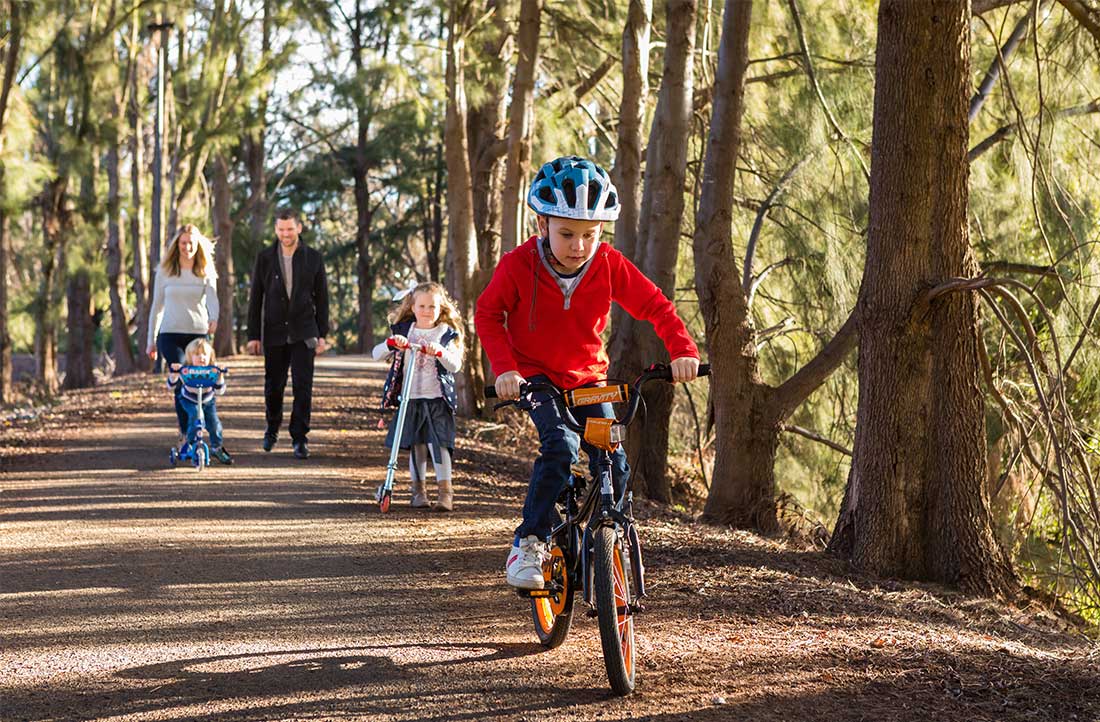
(527, 324)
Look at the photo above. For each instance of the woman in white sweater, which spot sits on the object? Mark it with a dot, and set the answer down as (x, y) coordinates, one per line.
(185, 301)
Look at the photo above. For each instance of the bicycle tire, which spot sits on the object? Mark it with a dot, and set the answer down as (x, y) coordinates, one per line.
(553, 615)
(612, 588)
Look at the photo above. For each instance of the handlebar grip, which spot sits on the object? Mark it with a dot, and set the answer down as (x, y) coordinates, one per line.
(490, 392)
(704, 369)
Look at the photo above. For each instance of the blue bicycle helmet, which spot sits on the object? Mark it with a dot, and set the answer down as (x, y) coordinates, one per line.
(573, 187)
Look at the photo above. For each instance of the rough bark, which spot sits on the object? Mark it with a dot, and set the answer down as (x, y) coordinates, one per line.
(116, 281)
(658, 247)
(462, 246)
(225, 342)
(517, 167)
(915, 506)
(627, 172)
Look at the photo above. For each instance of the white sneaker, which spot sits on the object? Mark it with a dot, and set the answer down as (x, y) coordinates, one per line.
(524, 567)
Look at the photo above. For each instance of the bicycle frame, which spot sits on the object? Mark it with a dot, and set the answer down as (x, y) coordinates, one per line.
(609, 511)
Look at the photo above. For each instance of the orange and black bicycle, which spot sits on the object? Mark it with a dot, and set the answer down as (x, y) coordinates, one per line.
(595, 548)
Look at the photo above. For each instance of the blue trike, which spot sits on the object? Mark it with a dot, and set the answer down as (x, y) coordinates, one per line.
(201, 379)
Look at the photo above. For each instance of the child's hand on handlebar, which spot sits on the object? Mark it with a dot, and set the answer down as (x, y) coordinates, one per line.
(507, 385)
(397, 341)
(432, 349)
(684, 369)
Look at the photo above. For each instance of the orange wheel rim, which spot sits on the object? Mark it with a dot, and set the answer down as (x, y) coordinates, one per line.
(624, 619)
(554, 571)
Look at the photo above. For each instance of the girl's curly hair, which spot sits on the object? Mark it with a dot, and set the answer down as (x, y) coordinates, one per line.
(448, 311)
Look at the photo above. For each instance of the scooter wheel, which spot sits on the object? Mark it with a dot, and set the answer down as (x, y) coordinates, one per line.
(384, 503)
(173, 456)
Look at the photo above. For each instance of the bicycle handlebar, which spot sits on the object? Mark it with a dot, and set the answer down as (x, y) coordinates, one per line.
(558, 396)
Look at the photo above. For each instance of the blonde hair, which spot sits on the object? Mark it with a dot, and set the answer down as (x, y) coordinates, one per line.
(448, 312)
(204, 253)
(193, 348)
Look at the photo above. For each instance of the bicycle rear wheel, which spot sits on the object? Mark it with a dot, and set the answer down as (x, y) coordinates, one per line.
(612, 587)
(554, 614)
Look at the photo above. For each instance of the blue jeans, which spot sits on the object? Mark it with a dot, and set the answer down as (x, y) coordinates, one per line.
(559, 448)
(210, 416)
(171, 347)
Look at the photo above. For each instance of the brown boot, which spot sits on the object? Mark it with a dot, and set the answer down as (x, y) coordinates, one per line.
(444, 499)
(419, 495)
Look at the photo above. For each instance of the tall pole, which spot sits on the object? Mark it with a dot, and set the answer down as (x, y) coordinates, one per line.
(157, 241)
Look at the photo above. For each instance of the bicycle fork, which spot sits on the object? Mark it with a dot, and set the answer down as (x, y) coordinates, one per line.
(610, 514)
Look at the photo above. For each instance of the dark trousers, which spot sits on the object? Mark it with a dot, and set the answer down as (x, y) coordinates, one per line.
(171, 347)
(559, 448)
(298, 358)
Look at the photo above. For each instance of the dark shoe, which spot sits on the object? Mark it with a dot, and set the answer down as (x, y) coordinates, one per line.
(269, 442)
(301, 451)
(221, 455)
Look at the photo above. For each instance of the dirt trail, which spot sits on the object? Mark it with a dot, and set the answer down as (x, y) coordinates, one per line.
(273, 590)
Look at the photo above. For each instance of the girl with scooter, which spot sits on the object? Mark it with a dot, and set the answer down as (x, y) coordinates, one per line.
(426, 333)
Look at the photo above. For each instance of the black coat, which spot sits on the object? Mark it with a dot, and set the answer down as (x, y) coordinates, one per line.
(278, 319)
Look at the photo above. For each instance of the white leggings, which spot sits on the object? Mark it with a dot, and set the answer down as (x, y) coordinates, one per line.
(418, 463)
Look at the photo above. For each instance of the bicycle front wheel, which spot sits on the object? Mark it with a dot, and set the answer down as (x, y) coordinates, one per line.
(612, 588)
(554, 614)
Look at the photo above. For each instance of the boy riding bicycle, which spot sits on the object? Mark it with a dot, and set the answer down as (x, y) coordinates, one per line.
(540, 318)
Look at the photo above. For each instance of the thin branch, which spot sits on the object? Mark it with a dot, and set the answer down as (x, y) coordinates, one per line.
(817, 88)
(814, 436)
(761, 212)
(999, 63)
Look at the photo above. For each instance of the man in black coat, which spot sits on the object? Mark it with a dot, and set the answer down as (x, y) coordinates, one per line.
(288, 310)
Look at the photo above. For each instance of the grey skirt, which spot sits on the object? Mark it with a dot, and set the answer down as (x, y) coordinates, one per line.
(427, 421)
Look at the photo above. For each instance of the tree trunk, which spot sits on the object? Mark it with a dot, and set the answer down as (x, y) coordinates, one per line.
(364, 268)
(628, 159)
(659, 245)
(485, 126)
(742, 488)
(116, 281)
(433, 231)
(915, 506)
(139, 79)
(79, 358)
(6, 391)
(225, 341)
(55, 231)
(518, 165)
(462, 248)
